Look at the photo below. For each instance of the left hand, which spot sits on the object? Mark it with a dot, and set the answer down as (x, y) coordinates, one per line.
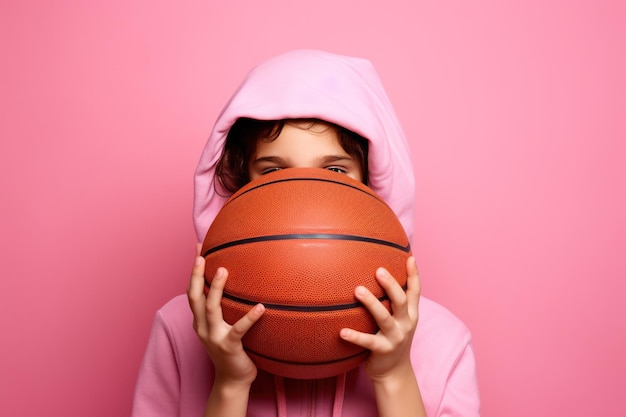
(391, 346)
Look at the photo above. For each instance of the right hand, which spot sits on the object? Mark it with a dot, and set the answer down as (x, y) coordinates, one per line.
(221, 340)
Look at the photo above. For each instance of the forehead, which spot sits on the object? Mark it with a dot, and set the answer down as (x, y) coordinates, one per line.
(302, 138)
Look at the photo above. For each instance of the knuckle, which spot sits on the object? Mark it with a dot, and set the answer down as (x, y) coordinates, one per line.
(380, 347)
(417, 290)
(210, 311)
(386, 320)
(193, 297)
(236, 333)
(402, 302)
(201, 332)
(239, 329)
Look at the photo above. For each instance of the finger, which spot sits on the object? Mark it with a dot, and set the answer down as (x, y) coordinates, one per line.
(396, 294)
(195, 292)
(196, 282)
(241, 327)
(413, 286)
(365, 340)
(197, 274)
(213, 306)
(379, 312)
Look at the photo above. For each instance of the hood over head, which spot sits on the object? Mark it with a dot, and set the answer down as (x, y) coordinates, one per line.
(315, 84)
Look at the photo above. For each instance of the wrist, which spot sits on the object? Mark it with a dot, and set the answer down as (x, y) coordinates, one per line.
(394, 379)
(397, 393)
(228, 389)
(228, 398)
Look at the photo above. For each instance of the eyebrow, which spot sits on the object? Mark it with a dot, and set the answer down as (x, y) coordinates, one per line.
(335, 158)
(273, 159)
(322, 159)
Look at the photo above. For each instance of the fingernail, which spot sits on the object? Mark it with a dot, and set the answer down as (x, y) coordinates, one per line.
(360, 291)
(198, 260)
(382, 272)
(219, 274)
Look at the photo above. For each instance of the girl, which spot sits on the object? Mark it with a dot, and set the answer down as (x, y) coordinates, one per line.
(307, 109)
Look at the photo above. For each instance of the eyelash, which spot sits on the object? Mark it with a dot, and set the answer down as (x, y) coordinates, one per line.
(330, 168)
(268, 170)
(337, 169)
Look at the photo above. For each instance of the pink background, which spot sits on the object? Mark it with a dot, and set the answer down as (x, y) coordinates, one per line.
(516, 116)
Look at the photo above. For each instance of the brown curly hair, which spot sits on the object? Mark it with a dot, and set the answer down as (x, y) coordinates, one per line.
(232, 168)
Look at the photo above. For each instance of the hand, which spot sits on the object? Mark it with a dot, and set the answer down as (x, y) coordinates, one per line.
(390, 347)
(221, 340)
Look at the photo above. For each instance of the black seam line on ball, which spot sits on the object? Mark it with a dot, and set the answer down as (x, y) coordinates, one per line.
(308, 179)
(298, 308)
(273, 359)
(295, 236)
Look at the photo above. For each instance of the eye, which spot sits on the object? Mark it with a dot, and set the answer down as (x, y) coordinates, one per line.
(337, 169)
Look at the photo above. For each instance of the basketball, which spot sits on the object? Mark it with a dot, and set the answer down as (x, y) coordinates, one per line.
(300, 241)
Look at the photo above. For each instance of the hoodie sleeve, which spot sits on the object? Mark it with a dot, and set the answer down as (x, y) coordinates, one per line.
(460, 395)
(157, 392)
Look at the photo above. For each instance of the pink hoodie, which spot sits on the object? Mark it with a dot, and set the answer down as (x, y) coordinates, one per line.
(176, 374)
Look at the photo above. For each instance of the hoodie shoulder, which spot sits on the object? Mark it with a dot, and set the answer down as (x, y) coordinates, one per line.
(439, 330)
(440, 340)
(443, 359)
(432, 313)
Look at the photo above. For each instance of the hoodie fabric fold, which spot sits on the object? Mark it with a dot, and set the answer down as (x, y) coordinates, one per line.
(313, 84)
(176, 374)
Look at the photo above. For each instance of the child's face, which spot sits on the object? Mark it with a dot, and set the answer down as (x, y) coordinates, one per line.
(302, 146)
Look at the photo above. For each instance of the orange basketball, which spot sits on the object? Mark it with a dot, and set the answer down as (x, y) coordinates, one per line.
(300, 241)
